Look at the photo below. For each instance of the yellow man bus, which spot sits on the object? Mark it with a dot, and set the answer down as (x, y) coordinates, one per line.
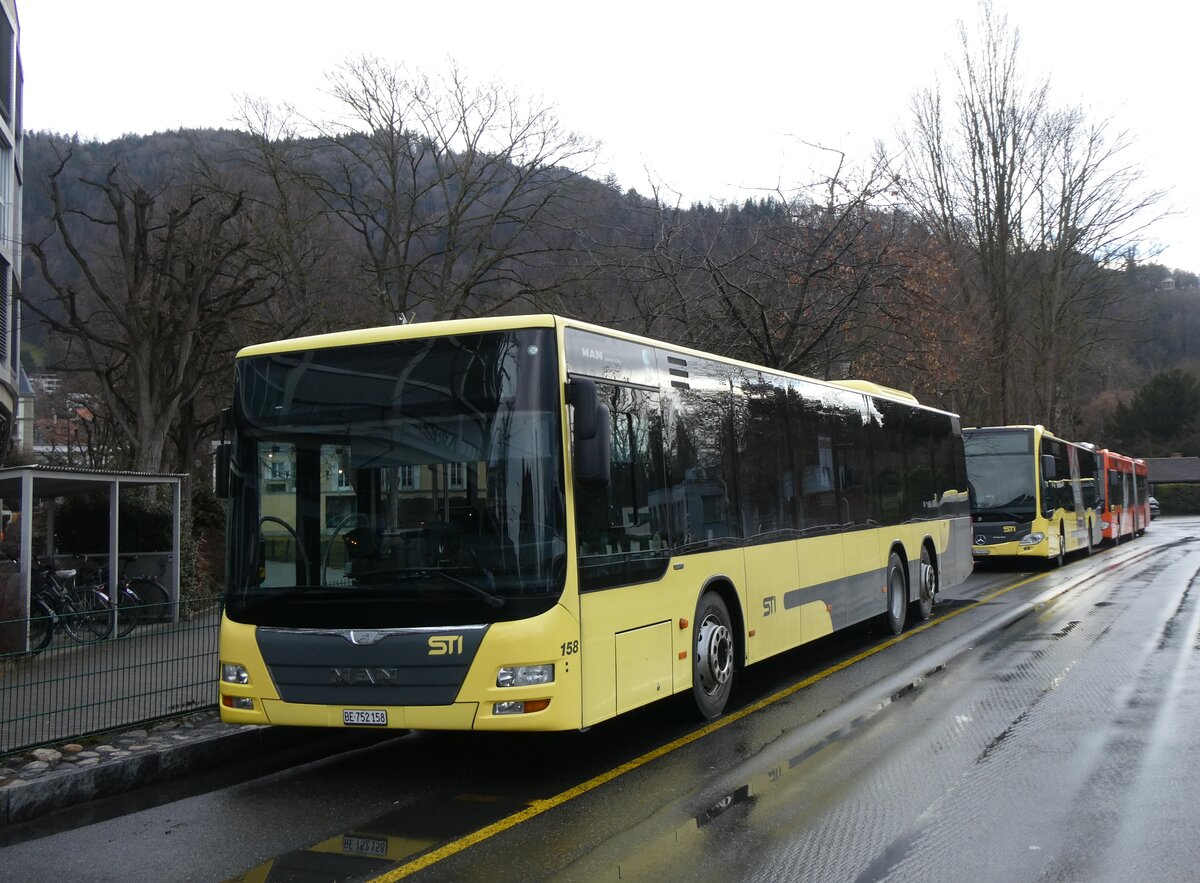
(1033, 494)
(531, 523)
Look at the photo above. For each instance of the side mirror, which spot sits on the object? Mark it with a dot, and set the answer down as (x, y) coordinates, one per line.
(592, 435)
(1049, 472)
(221, 470)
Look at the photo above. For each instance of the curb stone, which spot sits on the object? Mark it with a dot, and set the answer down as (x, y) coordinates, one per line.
(99, 773)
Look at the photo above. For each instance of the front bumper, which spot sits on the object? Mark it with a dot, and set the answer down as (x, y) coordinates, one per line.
(1012, 549)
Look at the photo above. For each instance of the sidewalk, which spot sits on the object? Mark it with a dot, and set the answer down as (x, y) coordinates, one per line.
(44, 780)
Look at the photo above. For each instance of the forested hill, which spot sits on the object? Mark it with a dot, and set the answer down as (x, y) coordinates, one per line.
(178, 248)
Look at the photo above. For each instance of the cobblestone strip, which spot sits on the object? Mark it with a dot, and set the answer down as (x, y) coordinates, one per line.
(45, 779)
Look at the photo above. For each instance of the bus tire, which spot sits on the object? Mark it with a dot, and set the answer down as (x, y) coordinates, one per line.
(897, 594)
(712, 656)
(1059, 559)
(922, 606)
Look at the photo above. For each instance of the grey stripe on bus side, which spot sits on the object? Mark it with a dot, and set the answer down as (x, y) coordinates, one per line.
(866, 588)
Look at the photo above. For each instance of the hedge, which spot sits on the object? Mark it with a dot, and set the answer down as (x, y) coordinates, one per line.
(1178, 499)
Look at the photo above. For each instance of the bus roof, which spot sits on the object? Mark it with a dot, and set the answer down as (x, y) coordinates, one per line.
(876, 389)
(1036, 428)
(446, 328)
(385, 333)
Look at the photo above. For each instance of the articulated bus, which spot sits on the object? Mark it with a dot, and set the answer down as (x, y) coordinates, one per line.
(1032, 494)
(1126, 496)
(530, 523)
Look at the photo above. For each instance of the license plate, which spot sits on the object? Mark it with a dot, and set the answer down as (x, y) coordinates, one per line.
(364, 846)
(358, 717)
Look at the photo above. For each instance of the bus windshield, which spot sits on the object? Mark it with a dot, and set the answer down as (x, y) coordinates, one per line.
(397, 484)
(1000, 464)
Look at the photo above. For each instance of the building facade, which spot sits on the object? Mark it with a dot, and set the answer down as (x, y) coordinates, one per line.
(11, 173)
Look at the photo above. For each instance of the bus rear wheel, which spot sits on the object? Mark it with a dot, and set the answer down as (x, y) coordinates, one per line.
(922, 605)
(897, 594)
(712, 657)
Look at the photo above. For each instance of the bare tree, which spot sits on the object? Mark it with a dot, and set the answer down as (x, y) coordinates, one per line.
(451, 192)
(969, 179)
(806, 281)
(1037, 206)
(1089, 210)
(305, 247)
(148, 283)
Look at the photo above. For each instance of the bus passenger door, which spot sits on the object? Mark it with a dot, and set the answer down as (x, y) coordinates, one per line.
(622, 552)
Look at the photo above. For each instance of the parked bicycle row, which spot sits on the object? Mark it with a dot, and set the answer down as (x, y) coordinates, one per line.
(80, 602)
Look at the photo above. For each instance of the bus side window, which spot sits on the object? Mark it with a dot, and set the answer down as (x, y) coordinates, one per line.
(888, 438)
(766, 481)
(621, 527)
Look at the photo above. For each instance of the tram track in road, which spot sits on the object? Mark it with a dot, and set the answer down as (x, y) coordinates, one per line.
(849, 714)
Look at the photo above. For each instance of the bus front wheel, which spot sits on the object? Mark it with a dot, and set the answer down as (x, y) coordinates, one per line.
(712, 659)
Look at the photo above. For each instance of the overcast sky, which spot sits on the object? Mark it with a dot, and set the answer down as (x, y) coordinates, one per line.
(708, 100)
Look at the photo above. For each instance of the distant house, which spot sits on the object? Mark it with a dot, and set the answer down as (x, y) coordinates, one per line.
(1172, 470)
(44, 384)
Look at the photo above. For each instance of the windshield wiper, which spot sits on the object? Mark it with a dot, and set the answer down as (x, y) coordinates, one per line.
(492, 598)
(411, 573)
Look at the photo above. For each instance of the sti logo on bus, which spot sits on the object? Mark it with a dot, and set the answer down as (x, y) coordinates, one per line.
(445, 645)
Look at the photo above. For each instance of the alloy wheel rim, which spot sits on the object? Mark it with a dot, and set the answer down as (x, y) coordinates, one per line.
(714, 651)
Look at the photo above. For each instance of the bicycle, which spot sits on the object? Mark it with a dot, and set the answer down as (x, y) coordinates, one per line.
(139, 598)
(82, 612)
(156, 601)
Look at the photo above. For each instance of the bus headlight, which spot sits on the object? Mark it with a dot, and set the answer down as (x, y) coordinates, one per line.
(233, 673)
(1033, 539)
(525, 675)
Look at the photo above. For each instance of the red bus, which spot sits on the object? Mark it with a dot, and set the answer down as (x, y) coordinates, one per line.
(1126, 497)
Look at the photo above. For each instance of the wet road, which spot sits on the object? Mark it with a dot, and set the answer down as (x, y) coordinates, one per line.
(1059, 747)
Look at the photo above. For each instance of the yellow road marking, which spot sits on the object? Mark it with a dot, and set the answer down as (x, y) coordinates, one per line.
(540, 806)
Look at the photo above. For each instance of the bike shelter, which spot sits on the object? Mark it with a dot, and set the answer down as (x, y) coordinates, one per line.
(23, 488)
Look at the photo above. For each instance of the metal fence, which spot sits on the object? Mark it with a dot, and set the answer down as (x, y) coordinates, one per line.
(72, 689)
